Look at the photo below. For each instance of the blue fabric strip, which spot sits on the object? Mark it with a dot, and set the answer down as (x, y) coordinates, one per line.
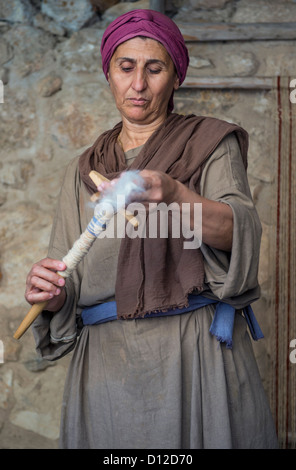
(93, 226)
(221, 327)
(254, 327)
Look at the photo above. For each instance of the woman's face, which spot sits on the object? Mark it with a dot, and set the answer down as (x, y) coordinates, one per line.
(142, 78)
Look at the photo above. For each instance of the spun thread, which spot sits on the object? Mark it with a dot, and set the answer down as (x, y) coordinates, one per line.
(82, 246)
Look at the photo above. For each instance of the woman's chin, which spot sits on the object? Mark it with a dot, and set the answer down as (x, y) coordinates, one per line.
(141, 114)
(138, 114)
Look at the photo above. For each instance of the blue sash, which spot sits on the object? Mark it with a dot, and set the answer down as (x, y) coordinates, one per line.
(221, 327)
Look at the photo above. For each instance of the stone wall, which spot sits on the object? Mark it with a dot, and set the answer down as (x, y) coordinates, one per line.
(55, 104)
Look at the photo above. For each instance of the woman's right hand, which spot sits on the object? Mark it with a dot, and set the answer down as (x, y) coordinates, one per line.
(44, 284)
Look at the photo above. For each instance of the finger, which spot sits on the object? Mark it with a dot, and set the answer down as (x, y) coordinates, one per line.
(39, 284)
(105, 185)
(41, 296)
(52, 264)
(43, 286)
(40, 273)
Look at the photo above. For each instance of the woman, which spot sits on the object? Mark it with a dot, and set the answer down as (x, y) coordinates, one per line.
(156, 377)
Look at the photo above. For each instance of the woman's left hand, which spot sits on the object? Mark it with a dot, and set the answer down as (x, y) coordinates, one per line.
(158, 187)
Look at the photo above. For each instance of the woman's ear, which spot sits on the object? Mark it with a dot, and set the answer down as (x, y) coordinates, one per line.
(176, 83)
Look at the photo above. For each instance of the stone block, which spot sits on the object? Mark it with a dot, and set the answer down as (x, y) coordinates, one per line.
(200, 63)
(16, 174)
(16, 11)
(6, 379)
(123, 7)
(6, 52)
(45, 23)
(242, 63)
(207, 4)
(50, 84)
(81, 53)
(30, 46)
(68, 14)
(34, 410)
(101, 5)
(264, 11)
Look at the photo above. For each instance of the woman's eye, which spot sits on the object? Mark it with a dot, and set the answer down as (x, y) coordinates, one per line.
(130, 68)
(154, 71)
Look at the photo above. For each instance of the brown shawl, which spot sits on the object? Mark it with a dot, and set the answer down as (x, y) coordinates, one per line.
(158, 274)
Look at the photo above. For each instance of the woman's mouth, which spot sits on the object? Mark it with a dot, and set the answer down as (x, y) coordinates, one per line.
(138, 101)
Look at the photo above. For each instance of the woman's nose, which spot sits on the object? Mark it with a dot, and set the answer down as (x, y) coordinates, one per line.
(139, 80)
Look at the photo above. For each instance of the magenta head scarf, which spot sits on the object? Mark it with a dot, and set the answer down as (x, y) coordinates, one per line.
(151, 24)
